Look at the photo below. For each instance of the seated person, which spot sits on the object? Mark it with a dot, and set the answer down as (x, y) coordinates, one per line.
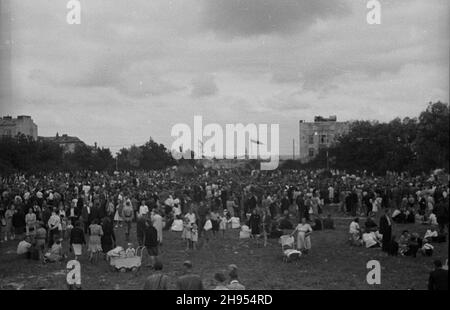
(427, 248)
(409, 216)
(413, 246)
(370, 224)
(432, 220)
(55, 254)
(372, 239)
(355, 232)
(403, 242)
(23, 248)
(393, 247)
(328, 223)
(317, 223)
(398, 216)
(275, 232)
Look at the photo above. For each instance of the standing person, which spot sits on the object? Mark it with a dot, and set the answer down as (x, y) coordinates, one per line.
(386, 230)
(157, 221)
(18, 222)
(441, 211)
(9, 232)
(127, 216)
(95, 243)
(215, 221)
(30, 221)
(186, 234)
(54, 225)
(151, 242)
(303, 231)
(255, 225)
(40, 236)
(86, 217)
(223, 222)
(118, 215)
(77, 239)
(140, 230)
(207, 230)
(108, 240)
(438, 279)
(158, 280)
(143, 209)
(189, 281)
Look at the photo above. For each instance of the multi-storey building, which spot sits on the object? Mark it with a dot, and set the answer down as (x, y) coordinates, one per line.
(23, 124)
(321, 133)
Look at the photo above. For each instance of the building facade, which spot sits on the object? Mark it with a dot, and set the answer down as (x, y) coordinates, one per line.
(320, 134)
(23, 124)
(67, 143)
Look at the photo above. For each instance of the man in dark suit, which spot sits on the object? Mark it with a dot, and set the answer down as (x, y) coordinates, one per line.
(189, 281)
(386, 230)
(438, 280)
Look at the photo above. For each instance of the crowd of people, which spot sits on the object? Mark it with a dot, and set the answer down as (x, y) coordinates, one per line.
(55, 215)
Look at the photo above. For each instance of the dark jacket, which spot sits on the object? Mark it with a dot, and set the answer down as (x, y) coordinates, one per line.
(384, 225)
(77, 236)
(189, 282)
(438, 280)
(150, 237)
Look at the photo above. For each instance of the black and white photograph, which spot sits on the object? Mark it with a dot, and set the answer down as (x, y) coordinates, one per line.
(231, 145)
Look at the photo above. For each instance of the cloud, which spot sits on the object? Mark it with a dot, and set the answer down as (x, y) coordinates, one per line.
(293, 100)
(204, 86)
(239, 18)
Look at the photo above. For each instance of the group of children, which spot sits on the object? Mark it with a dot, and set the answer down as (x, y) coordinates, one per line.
(214, 223)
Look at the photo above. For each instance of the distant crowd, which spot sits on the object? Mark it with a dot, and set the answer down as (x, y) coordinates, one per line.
(58, 215)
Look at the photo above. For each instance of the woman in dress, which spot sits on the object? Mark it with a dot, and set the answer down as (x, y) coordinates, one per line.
(118, 215)
(303, 231)
(95, 246)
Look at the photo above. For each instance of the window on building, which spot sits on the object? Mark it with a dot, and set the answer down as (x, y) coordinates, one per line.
(311, 139)
(311, 152)
(323, 139)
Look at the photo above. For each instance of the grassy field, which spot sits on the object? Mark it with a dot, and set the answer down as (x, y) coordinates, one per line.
(332, 264)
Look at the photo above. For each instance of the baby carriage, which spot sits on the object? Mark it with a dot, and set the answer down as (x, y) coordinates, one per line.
(119, 260)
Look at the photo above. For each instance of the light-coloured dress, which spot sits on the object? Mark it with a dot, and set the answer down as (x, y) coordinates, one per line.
(303, 241)
(95, 243)
(158, 224)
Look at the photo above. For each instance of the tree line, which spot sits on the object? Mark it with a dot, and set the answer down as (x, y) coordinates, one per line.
(23, 154)
(413, 145)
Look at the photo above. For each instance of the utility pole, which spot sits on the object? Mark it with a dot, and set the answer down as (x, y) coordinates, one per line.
(299, 140)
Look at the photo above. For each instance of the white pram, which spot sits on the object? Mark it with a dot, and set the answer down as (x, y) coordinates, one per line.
(119, 260)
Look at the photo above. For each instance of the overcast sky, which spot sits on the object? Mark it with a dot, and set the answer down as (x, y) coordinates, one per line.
(133, 69)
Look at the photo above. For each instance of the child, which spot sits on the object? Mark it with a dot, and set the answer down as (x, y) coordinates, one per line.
(223, 223)
(194, 236)
(63, 226)
(130, 251)
(186, 234)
